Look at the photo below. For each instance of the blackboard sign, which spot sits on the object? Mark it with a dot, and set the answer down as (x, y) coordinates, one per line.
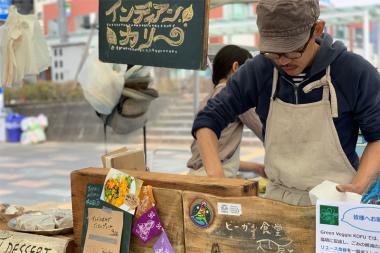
(93, 201)
(162, 33)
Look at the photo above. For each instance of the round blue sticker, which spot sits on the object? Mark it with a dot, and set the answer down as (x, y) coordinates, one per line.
(201, 213)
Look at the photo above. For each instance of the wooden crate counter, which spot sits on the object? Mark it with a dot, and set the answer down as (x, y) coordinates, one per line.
(246, 224)
(220, 187)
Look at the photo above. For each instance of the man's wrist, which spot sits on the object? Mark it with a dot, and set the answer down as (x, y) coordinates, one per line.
(215, 173)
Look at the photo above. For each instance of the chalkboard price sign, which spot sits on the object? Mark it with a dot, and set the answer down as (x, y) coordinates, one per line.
(93, 201)
(162, 33)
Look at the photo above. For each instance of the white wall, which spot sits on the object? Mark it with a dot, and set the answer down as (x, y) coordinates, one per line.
(66, 62)
(240, 39)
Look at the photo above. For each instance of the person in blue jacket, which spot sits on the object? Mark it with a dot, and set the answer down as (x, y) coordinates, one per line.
(311, 95)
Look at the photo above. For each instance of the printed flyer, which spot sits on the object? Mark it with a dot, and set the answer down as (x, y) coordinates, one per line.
(346, 227)
(121, 190)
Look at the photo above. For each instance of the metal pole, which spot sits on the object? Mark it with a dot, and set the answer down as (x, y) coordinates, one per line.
(378, 43)
(145, 150)
(62, 21)
(366, 42)
(196, 92)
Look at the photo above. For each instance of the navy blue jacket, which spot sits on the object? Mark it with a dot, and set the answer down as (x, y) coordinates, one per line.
(356, 82)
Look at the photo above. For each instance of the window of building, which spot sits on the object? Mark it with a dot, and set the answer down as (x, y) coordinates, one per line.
(53, 27)
(61, 64)
(56, 76)
(61, 76)
(83, 22)
(236, 11)
(55, 64)
(60, 52)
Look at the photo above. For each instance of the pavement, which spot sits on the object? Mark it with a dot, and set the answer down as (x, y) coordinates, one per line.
(39, 174)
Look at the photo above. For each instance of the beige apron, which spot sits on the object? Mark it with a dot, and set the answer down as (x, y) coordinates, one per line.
(302, 147)
(230, 166)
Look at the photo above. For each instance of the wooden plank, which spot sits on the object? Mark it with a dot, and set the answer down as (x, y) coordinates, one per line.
(217, 186)
(169, 206)
(264, 226)
(68, 237)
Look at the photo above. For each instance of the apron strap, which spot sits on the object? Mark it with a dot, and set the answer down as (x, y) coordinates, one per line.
(328, 88)
(334, 101)
(274, 82)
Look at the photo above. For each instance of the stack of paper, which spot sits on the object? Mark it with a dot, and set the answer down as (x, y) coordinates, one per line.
(327, 191)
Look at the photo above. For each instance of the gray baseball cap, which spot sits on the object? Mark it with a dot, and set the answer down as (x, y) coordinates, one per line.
(284, 25)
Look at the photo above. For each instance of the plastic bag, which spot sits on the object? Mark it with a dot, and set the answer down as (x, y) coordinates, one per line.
(102, 83)
(373, 194)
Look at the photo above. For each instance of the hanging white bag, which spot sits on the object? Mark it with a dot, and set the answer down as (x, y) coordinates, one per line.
(102, 83)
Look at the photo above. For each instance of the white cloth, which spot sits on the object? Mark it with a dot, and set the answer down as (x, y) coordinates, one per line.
(23, 48)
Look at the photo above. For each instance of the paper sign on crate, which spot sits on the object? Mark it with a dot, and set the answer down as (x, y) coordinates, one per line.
(346, 227)
(104, 231)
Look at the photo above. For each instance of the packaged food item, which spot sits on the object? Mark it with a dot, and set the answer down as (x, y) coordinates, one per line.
(146, 201)
(63, 218)
(45, 220)
(263, 184)
(34, 222)
(8, 211)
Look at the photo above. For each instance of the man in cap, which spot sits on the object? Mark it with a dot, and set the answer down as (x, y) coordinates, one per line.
(311, 95)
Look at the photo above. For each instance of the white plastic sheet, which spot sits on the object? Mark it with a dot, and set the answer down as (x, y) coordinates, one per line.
(102, 83)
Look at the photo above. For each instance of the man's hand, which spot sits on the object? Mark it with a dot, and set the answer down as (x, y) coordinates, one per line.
(257, 168)
(261, 172)
(350, 188)
(369, 166)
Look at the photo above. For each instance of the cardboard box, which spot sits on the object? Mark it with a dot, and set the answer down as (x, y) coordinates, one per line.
(124, 159)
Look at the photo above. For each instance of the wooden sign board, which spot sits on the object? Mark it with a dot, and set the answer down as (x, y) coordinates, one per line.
(246, 224)
(162, 33)
(24, 242)
(220, 187)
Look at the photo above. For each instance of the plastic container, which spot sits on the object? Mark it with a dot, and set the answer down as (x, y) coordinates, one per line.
(13, 127)
(2, 127)
(1, 99)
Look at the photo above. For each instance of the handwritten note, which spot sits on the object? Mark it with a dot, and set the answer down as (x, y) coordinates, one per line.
(104, 231)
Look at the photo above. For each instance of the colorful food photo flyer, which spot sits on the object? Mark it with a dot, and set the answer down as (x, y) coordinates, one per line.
(121, 190)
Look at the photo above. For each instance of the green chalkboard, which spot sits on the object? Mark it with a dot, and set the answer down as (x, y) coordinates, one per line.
(93, 201)
(162, 33)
